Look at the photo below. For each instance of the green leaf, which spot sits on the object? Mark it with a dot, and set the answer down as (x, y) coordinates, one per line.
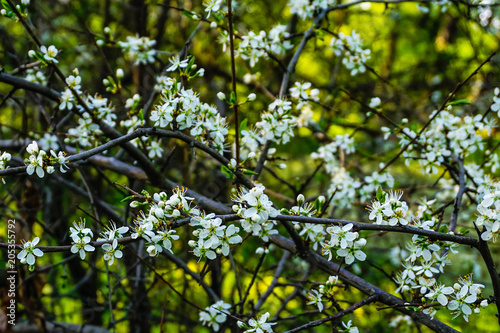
(318, 205)
(243, 125)
(186, 13)
(226, 171)
(249, 172)
(141, 116)
(459, 102)
(127, 198)
(320, 34)
(380, 195)
(6, 5)
(444, 229)
(232, 98)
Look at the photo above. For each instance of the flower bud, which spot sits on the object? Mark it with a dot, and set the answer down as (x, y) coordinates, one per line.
(321, 199)
(107, 30)
(213, 24)
(192, 243)
(99, 42)
(119, 73)
(221, 96)
(31, 53)
(300, 199)
(252, 97)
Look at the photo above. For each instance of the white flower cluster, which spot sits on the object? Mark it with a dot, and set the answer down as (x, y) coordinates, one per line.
(212, 6)
(39, 161)
(443, 6)
(424, 258)
(489, 210)
(132, 123)
(373, 182)
(87, 130)
(35, 75)
(305, 208)
(161, 211)
(344, 187)
(213, 237)
(486, 15)
(164, 82)
(423, 265)
(259, 325)
(29, 253)
(351, 47)
(389, 209)
(68, 100)
(112, 250)
(255, 46)
(4, 158)
(348, 328)
(304, 94)
(214, 315)
(496, 100)
(182, 109)
(48, 142)
(277, 123)
(344, 243)
(84, 133)
(81, 237)
(306, 8)
(101, 109)
(139, 49)
(464, 296)
(312, 233)
(256, 209)
(447, 135)
(326, 290)
(46, 55)
(327, 153)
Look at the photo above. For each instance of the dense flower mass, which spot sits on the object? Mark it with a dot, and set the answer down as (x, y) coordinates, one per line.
(350, 47)
(139, 49)
(183, 110)
(306, 9)
(256, 46)
(294, 123)
(256, 209)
